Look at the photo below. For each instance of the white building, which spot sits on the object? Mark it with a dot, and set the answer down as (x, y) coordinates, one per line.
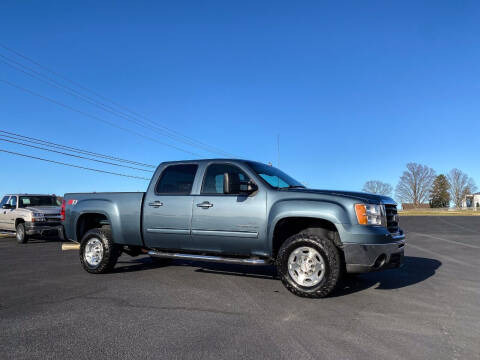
(472, 200)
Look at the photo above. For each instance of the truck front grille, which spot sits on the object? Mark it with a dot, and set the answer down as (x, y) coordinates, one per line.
(392, 218)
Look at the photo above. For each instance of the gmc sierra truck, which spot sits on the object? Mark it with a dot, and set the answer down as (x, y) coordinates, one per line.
(241, 212)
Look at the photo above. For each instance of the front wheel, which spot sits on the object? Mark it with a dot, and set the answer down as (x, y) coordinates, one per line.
(21, 235)
(309, 265)
(98, 252)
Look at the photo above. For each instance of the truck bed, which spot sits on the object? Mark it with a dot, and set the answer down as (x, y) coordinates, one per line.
(122, 209)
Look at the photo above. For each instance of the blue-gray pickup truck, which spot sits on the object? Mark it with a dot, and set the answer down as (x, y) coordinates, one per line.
(239, 212)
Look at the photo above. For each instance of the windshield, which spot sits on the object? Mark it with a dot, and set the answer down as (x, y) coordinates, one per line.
(273, 176)
(26, 201)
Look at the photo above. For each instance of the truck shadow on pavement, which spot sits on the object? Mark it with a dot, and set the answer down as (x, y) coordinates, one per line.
(414, 271)
(42, 240)
(264, 272)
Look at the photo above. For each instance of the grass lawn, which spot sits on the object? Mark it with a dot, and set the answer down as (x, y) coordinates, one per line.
(438, 212)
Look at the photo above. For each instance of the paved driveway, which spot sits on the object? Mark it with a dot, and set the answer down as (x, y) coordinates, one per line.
(430, 309)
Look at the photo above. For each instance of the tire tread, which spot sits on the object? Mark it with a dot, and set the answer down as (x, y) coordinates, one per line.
(25, 236)
(111, 251)
(329, 250)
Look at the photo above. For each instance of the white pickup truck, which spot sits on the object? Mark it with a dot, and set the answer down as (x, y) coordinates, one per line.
(30, 214)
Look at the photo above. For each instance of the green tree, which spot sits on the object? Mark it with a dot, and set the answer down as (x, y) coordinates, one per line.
(440, 196)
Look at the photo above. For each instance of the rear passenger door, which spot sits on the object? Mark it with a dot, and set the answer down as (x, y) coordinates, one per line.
(167, 210)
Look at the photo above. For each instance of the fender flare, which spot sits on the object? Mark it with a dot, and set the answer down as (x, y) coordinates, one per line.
(97, 206)
(326, 210)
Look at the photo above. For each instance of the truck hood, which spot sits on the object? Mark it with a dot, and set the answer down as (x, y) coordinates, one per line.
(365, 197)
(44, 209)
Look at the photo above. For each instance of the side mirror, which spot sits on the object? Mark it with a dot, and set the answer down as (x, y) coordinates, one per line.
(232, 185)
(248, 187)
(6, 206)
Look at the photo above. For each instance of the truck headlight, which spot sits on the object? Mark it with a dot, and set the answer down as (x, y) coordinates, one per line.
(370, 214)
(36, 217)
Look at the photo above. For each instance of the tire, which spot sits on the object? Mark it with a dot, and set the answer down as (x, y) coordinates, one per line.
(21, 235)
(98, 252)
(309, 265)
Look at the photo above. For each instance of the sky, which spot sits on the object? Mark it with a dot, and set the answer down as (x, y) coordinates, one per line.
(352, 90)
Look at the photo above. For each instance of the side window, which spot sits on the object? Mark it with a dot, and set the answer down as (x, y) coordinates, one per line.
(177, 179)
(4, 200)
(13, 201)
(213, 179)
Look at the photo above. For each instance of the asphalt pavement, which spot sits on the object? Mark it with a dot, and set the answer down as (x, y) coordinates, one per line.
(50, 308)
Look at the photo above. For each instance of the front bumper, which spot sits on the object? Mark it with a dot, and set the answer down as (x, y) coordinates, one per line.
(361, 258)
(42, 228)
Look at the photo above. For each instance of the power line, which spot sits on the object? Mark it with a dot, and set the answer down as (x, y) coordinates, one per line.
(75, 156)
(192, 141)
(95, 117)
(69, 148)
(36, 75)
(72, 165)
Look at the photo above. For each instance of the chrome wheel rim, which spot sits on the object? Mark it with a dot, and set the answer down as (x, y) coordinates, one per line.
(19, 233)
(93, 253)
(306, 266)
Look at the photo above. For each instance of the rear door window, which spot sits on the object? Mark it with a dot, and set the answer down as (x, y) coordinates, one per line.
(177, 179)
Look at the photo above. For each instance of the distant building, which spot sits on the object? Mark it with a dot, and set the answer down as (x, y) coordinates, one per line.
(470, 201)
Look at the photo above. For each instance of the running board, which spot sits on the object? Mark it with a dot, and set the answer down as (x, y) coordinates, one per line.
(209, 258)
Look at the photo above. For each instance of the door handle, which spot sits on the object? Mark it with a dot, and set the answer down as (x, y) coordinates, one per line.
(155, 204)
(205, 205)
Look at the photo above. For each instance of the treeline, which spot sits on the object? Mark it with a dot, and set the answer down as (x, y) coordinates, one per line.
(419, 185)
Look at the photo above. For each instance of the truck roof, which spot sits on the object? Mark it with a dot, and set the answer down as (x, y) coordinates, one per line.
(30, 194)
(205, 160)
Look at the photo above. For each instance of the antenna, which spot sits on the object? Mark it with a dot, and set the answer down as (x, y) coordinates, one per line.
(278, 151)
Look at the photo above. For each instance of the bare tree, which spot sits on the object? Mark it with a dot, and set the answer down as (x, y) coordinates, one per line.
(460, 185)
(377, 187)
(415, 184)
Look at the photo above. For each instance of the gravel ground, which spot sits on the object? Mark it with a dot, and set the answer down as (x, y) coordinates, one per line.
(430, 308)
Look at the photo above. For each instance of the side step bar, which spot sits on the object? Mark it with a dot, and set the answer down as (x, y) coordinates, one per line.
(209, 258)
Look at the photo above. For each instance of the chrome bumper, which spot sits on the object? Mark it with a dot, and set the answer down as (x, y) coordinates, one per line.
(41, 229)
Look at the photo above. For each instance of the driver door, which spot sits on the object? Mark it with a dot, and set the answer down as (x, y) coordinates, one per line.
(226, 223)
(3, 213)
(7, 218)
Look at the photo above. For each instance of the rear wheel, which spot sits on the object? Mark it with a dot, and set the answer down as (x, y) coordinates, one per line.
(98, 252)
(309, 265)
(21, 235)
